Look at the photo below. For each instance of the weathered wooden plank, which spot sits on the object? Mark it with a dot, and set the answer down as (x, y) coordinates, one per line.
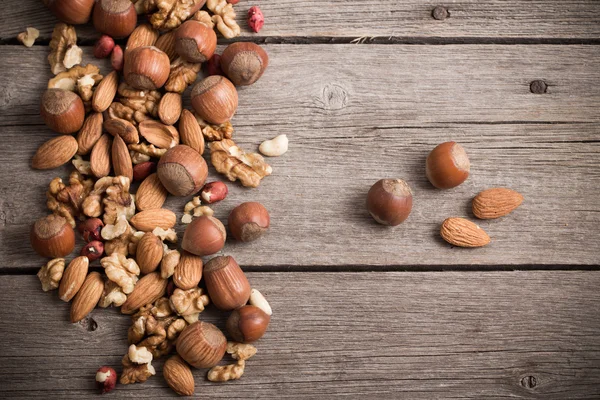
(346, 132)
(353, 335)
(407, 18)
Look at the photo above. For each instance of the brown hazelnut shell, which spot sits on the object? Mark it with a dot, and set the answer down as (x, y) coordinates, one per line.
(215, 99)
(204, 236)
(62, 110)
(226, 283)
(389, 201)
(146, 68)
(248, 221)
(182, 170)
(447, 165)
(244, 62)
(247, 324)
(195, 42)
(74, 12)
(52, 236)
(115, 18)
(202, 345)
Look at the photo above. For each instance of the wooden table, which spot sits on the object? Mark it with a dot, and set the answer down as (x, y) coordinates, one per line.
(364, 90)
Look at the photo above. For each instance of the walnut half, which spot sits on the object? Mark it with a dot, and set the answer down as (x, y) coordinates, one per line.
(231, 161)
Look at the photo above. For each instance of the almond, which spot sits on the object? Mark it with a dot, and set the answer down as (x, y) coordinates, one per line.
(496, 203)
(123, 128)
(90, 133)
(121, 159)
(166, 43)
(179, 376)
(190, 131)
(147, 220)
(463, 233)
(158, 134)
(169, 108)
(147, 290)
(55, 152)
(87, 297)
(73, 278)
(151, 194)
(188, 272)
(100, 157)
(143, 35)
(149, 253)
(105, 92)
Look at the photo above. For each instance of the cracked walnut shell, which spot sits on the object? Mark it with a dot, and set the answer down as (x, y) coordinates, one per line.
(231, 161)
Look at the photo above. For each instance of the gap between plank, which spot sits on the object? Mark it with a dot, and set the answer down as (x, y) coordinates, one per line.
(405, 40)
(371, 268)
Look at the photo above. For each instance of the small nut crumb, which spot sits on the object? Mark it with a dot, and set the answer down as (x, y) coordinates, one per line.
(165, 234)
(240, 351)
(274, 147)
(51, 274)
(28, 37)
(258, 300)
(194, 208)
(84, 167)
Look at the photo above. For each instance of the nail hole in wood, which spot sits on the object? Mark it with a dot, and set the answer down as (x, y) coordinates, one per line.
(89, 323)
(529, 382)
(538, 86)
(440, 13)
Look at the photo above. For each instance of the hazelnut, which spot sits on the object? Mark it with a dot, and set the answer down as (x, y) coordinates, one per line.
(202, 345)
(389, 201)
(215, 99)
(182, 171)
(227, 285)
(93, 250)
(213, 192)
(62, 110)
(106, 379)
(146, 68)
(244, 62)
(247, 324)
(74, 12)
(52, 237)
(204, 236)
(248, 221)
(116, 18)
(447, 165)
(90, 229)
(195, 42)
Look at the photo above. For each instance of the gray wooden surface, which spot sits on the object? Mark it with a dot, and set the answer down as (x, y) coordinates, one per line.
(363, 311)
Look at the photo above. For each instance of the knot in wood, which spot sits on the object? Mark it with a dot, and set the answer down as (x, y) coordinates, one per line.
(334, 97)
(529, 382)
(89, 324)
(440, 13)
(538, 87)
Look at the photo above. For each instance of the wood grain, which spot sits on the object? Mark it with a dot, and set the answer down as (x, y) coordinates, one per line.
(386, 335)
(351, 124)
(369, 18)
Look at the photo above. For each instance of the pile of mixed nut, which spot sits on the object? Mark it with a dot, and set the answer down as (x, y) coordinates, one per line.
(130, 126)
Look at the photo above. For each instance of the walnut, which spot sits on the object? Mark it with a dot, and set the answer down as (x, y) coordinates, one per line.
(168, 14)
(169, 262)
(110, 232)
(138, 158)
(67, 201)
(240, 351)
(137, 365)
(224, 373)
(214, 133)
(234, 163)
(165, 234)
(112, 295)
(28, 37)
(134, 240)
(156, 328)
(121, 270)
(181, 76)
(134, 105)
(82, 166)
(51, 274)
(204, 17)
(189, 303)
(195, 208)
(78, 79)
(224, 18)
(64, 53)
(147, 149)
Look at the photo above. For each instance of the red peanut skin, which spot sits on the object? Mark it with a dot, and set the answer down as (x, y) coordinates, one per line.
(256, 19)
(116, 59)
(104, 46)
